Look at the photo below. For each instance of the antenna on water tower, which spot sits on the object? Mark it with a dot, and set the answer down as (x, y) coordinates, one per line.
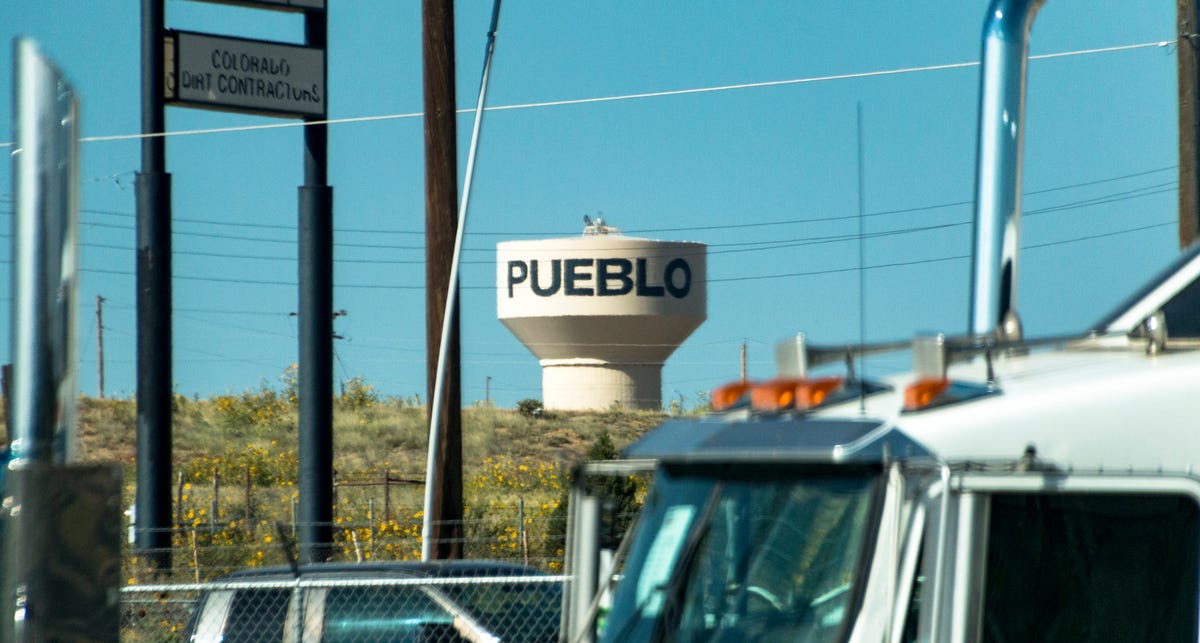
(593, 227)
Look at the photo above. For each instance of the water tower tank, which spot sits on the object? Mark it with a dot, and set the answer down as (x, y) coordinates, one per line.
(601, 312)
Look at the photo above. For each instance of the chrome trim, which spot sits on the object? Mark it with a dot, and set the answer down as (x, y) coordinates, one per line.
(998, 179)
(45, 261)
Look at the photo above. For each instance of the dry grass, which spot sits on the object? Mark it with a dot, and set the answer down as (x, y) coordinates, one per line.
(512, 463)
(370, 435)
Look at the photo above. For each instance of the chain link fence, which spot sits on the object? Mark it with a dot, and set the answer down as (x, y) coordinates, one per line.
(235, 585)
(199, 554)
(229, 537)
(354, 604)
(226, 520)
(375, 590)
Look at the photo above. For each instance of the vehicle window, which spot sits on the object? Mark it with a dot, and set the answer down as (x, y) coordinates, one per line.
(403, 614)
(746, 553)
(1182, 312)
(257, 616)
(516, 612)
(1175, 266)
(1090, 568)
(912, 618)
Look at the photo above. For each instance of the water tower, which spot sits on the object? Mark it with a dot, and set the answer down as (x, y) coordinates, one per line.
(601, 312)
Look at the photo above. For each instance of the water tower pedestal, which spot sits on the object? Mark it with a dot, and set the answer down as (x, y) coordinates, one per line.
(576, 385)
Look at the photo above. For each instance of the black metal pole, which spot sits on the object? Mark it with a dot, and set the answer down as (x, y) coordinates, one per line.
(153, 186)
(316, 334)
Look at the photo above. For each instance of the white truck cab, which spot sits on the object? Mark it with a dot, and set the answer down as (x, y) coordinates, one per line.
(1006, 490)
(1028, 492)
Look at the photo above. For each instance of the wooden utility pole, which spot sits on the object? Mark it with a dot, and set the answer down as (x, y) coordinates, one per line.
(441, 221)
(1189, 121)
(100, 343)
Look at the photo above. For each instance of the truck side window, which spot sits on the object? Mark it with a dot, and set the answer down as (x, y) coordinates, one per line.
(1091, 567)
(912, 619)
(1182, 312)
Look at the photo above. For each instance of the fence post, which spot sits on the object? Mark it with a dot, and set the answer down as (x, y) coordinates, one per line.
(299, 598)
(216, 504)
(387, 495)
(521, 529)
(249, 526)
(179, 502)
(370, 528)
(195, 555)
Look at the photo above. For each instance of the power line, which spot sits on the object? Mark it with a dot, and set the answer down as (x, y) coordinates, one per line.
(719, 280)
(616, 98)
(769, 245)
(253, 331)
(212, 311)
(732, 247)
(941, 259)
(1134, 194)
(714, 248)
(923, 208)
(1100, 235)
(263, 362)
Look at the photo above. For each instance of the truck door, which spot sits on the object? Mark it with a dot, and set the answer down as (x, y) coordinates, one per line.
(1062, 558)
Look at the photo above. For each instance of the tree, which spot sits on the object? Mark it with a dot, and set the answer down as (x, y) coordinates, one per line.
(618, 496)
(530, 407)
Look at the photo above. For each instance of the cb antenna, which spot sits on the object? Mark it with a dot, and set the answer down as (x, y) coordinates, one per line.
(862, 272)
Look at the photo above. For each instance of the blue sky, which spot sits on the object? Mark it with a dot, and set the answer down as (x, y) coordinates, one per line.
(765, 175)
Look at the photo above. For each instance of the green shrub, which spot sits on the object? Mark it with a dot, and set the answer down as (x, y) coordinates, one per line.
(357, 395)
(263, 408)
(530, 407)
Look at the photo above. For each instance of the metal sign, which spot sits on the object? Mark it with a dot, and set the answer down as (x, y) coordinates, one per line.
(45, 260)
(235, 74)
(278, 5)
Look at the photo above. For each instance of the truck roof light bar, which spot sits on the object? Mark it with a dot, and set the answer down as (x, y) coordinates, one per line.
(785, 393)
(932, 356)
(729, 396)
(795, 357)
(791, 393)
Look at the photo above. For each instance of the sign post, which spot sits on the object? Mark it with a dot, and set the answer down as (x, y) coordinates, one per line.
(260, 77)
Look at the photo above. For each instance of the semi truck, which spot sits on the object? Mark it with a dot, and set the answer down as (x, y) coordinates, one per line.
(1007, 489)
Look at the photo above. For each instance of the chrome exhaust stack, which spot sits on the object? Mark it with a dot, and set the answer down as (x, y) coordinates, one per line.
(998, 168)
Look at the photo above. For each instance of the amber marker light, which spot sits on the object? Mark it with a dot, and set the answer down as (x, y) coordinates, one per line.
(776, 394)
(923, 392)
(789, 392)
(813, 393)
(725, 397)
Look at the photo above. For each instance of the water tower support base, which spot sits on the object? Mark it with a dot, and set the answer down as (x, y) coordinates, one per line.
(584, 385)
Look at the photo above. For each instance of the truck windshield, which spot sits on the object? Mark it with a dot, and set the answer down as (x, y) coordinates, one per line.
(746, 553)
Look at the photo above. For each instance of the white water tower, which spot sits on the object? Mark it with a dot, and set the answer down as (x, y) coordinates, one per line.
(601, 312)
